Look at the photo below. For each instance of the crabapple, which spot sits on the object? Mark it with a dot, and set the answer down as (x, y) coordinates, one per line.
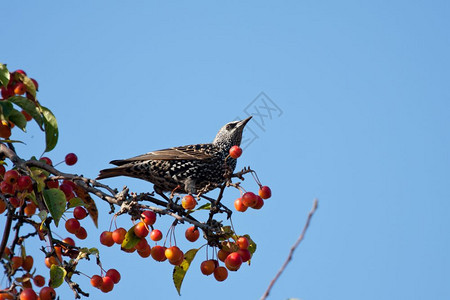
(71, 159)
(192, 234)
(158, 253)
(72, 225)
(265, 192)
(208, 266)
(107, 284)
(239, 205)
(188, 202)
(149, 217)
(96, 281)
(156, 235)
(220, 273)
(47, 293)
(141, 230)
(114, 275)
(118, 235)
(79, 213)
(235, 151)
(106, 238)
(249, 199)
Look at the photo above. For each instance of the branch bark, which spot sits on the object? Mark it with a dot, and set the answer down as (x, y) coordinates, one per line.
(293, 248)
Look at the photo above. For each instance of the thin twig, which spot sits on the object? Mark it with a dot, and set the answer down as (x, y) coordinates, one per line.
(291, 252)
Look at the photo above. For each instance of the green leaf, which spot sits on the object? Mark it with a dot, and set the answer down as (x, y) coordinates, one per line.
(206, 206)
(56, 203)
(6, 108)
(19, 119)
(130, 239)
(31, 88)
(179, 272)
(30, 107)
(4, 75)
(57, 275)
(11, 141)
(74, 202)
(51, 129)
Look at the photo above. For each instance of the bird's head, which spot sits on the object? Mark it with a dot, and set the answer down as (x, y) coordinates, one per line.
(231, 134)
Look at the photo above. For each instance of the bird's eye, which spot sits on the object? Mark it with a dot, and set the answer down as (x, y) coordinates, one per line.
(230, 126)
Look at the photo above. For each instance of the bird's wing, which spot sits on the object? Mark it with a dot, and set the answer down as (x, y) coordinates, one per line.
(190, 152)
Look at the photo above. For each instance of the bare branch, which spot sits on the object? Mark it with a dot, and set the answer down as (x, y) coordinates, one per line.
(291, 252)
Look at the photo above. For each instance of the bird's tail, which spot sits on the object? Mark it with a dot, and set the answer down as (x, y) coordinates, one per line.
(113, 172)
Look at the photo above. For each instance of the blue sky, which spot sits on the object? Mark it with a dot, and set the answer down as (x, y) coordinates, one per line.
(362, 88)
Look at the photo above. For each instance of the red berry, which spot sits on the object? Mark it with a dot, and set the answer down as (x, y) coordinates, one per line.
(20, 89)
(141, 230)
(96, 281)
(118, 235)
(79, 213)
(71, 159)
(245, 254)
(114, 275)
(141, 245)
(69, 241)
(52, 184)
(6, 188)
(16, 202)
(24, 183)
(106, 238)
(233, 261)
(28, 294)
(220, 273)
(242, 242)
(192, 234)
(39, 280)
(208, 266)
(72, 225)
(20, 72)
(107, 284)
(235, 151)
(259, 203)
(30, 209)
(16, 262)
(249, 199)
(27, 263)
(47, 293)
(47, 160)
(158, 253)
(36, 85)
(67, 190)
(188, 202)
(145, 252)
(265, 192)
(156, 235)
(81, 234)
(11, 177)
(239, 205)
(222, 254)
(148, 217)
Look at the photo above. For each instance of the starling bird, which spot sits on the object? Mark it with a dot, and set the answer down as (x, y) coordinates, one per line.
(193, 168)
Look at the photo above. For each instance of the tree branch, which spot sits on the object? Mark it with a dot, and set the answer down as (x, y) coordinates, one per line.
(293, 248)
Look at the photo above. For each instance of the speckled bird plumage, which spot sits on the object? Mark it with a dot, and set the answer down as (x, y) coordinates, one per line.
(191, 169)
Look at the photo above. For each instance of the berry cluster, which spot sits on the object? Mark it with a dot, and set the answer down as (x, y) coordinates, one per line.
(107, 282)
(19, 84)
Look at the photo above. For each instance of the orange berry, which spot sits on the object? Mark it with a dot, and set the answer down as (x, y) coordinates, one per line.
(188, 202)
(192, 234)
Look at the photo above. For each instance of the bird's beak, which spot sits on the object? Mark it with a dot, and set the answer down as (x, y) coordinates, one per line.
(244, 122)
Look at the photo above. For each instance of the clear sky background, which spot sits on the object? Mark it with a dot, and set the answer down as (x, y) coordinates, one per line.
(363, 94)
